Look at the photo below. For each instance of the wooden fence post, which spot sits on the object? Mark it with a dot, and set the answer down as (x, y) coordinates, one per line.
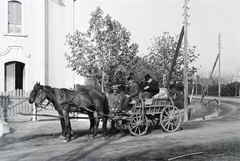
(5, 100)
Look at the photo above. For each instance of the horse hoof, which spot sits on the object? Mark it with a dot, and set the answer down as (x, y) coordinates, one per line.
(62, 137)
(66, 140)
(105, 135)
(92, 136)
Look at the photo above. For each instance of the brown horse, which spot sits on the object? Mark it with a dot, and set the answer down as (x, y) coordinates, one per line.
(88, 101)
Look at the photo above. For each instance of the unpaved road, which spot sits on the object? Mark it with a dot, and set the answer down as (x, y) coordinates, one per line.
(218, 139)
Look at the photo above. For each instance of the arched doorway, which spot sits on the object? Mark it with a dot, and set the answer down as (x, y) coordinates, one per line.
(14, 75)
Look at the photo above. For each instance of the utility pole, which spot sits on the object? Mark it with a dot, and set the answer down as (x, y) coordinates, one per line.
(196, 85)
(197, 77)
(236, 84)
(210, 77)
(219, 69)
(74, 87)
(186, 8)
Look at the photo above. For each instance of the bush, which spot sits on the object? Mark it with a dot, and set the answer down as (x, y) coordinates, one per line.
(226, 89)
(178, 98)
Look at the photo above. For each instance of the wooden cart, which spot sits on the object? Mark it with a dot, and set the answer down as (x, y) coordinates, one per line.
(145, 111)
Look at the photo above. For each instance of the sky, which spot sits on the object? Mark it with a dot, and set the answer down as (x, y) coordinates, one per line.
(146, 19)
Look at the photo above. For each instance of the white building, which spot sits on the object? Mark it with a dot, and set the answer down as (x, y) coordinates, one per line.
(32, 38)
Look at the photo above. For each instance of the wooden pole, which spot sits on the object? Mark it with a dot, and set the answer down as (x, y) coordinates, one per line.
(46, 42)
(185, 62)
(205, 88)
(236, 84)
(103, 74)
(73, 34)
(102, 85)
(219, 72)
(175, 58)
(185, 155)
(196, 85)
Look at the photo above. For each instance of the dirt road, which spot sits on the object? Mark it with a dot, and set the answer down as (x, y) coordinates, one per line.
(217, 139)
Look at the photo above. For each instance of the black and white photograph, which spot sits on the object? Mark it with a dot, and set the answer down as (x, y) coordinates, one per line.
(119, 80)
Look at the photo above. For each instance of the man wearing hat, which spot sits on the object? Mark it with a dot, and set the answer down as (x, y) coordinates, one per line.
(113, 100)
(152, 86)
(133, 93)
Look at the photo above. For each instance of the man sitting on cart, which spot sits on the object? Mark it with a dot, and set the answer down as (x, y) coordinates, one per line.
(127, 98)
(151, 87)
(114, 98)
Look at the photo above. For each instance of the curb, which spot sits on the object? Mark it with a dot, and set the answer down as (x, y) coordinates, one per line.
(210, 116)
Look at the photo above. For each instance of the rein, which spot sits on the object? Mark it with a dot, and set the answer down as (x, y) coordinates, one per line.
(92, 111)
(44, 106)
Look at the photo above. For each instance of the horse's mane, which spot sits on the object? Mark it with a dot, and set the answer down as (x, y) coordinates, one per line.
(48, 89)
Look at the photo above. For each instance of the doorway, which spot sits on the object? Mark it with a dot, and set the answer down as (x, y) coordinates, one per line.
(14, 75)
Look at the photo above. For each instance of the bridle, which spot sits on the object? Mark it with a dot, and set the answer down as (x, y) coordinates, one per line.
(41, 104)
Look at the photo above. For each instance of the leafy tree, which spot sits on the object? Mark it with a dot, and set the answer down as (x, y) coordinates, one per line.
(157, 63)
(161, 55)
(104, 49)
(140, 67)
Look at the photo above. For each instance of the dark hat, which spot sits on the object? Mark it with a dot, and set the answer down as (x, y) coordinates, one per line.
(147, 77)
(129, 78)
(131, 74)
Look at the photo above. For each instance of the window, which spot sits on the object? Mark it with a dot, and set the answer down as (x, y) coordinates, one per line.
(14, 17)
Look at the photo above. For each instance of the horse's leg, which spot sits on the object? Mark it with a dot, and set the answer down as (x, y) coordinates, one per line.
(62, 124)
(104, 126)
(70, 127)
(67, 127)
(95, 114)
(92, 123)
(105, 117)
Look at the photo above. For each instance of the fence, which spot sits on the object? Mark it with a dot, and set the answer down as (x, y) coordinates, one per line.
(14, 102)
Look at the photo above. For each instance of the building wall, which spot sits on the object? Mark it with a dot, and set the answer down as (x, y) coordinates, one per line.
(41, 46)
(25, 47)
(60, 24)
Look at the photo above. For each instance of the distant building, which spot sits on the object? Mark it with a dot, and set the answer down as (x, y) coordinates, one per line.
(32, 38)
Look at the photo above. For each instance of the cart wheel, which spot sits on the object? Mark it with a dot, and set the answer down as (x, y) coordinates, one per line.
(170, 118)
(138, 125)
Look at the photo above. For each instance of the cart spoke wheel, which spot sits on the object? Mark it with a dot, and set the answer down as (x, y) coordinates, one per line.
(138, 125)
(170, 118)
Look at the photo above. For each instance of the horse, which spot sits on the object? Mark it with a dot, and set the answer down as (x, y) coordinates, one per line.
(88, 101)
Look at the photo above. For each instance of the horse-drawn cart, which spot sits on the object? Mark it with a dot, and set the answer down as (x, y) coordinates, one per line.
(149, 111)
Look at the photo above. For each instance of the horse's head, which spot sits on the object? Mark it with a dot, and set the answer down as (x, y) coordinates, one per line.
(41, 95)
(32, 96)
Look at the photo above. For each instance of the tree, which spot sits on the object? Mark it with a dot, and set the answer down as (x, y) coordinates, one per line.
(140, 67)
(104, 49)
(161, 55)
